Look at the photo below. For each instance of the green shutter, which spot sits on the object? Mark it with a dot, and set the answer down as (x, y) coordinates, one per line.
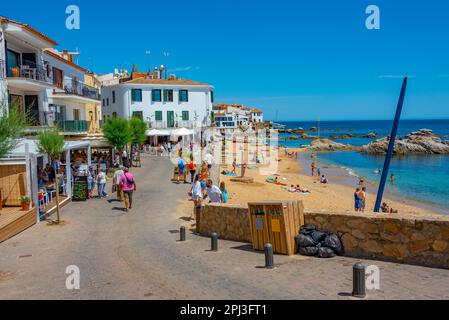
(185, 116)
(158, 115)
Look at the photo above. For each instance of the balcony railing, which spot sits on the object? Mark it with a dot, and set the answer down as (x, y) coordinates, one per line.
(76, 126)
(30, 71)
(74, 87)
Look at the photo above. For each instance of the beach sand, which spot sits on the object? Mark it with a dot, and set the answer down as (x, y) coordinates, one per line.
(333, 197)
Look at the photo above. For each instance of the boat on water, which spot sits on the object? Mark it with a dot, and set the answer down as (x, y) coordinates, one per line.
(278, 126)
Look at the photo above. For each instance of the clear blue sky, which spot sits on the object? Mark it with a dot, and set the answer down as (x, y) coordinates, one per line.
(304, 59)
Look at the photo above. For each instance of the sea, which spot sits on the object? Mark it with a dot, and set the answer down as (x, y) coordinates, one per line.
(421, 178)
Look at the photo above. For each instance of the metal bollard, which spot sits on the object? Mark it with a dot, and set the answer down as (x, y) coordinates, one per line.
(358, 274)
(214, 242)
(182, 232)
(269, 260)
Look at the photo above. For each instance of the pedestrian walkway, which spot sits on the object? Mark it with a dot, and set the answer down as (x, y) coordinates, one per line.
(137, 255)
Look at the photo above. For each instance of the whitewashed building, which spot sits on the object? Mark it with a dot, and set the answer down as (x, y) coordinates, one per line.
(162, 103)
(231, 116)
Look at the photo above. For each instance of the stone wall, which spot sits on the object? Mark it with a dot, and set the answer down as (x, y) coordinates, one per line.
(403, 238)
(400, 238)
(230, 222)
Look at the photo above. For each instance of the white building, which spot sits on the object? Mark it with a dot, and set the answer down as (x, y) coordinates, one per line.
(232, 116)
(36, 78)
(162, 103)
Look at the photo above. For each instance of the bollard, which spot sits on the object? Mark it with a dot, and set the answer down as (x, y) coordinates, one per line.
(182, 232)
(358, 273)
(214, 242)
(269, 260)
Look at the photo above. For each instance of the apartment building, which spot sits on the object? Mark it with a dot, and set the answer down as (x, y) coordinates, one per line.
(233, 116)
(47, 84)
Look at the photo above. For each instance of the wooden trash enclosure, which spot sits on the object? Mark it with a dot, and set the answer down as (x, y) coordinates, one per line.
(276, 222)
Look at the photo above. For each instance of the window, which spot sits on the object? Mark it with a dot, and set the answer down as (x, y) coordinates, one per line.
(107, 102)
(13, 63)
(158, 115)
(156, 95)
(138, 114)
(183, 96)
(113, 96)
(136, 95)
(76, 114)
(168, 95)
(104, 103)
(212, 96)
(114, 115)
(58, 77)
(185, 116)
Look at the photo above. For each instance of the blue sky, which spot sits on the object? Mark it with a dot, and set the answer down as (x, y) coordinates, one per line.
(299, 59)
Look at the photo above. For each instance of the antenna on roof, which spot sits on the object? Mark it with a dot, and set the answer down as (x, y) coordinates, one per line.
(148, 53)
(167, 56)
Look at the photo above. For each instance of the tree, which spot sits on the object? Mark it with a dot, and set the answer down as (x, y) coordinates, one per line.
(52, 143)
(12, 126)
(118, 132)
(138, 130)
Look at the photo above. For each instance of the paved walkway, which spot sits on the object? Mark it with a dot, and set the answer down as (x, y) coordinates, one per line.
(136, 255)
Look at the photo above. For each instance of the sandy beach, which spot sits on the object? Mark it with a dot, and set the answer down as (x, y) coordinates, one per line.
(335, 196)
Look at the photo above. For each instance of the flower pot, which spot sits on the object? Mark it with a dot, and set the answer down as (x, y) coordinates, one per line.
(25, 206)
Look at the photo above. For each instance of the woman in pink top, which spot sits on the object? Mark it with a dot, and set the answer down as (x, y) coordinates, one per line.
(128, 184)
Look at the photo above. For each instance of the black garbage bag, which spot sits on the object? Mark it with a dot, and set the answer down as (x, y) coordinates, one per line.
(332, 241)
(307, 230)
(318, 236)
(324, 252)
(305, 241)
(308, 251)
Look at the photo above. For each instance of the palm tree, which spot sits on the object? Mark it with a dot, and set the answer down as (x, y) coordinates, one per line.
(51, 143)
(12, 126)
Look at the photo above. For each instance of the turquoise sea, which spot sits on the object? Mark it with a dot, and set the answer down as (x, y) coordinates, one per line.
(424, 178)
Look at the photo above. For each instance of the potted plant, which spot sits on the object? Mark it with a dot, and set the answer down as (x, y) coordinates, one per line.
(15, 72)
(25, 203)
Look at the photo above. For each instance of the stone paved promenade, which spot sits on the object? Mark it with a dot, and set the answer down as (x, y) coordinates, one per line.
(136, 255)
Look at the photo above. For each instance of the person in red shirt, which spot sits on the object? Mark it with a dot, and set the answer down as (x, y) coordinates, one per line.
(128, 185)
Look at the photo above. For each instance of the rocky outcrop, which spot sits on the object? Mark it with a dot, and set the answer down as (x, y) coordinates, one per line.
(422, 141)
(329, 145)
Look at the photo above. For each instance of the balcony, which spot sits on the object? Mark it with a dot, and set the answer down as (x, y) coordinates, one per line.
(28, 77)
(71, 88)
(73, 126)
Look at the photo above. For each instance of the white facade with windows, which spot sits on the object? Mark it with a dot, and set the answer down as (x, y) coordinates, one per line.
(162, 103)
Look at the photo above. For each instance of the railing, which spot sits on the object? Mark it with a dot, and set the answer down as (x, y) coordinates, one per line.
(75, 87)
(31, 71)
(77, 126)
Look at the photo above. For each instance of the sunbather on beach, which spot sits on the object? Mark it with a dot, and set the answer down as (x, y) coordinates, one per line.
(386, 208)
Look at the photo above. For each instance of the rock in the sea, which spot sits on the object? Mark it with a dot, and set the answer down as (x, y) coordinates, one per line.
(371, 135)
(313, 129)
(422, 141)
(329, 145)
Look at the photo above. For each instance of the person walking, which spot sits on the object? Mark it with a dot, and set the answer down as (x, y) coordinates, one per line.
(90, 182)
(128, 185)
(116, 183)
(101, 183)
(362, 197)
(192, 169)
(181, 170)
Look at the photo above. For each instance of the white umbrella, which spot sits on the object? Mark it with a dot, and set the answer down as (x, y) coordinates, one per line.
(155, 132)
(182, 132)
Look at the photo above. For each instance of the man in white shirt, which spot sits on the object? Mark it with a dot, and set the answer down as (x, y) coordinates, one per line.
(117, 175)
(213, 193)
(209, 158)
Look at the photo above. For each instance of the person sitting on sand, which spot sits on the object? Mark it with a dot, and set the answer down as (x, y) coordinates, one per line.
(324, 180)
(299, 189)
(386, 208)
(292, 189)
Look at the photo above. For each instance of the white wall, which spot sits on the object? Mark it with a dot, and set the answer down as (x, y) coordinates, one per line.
(199, 101)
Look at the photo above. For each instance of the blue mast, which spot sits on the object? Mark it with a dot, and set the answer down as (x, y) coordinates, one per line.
(393, 135)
